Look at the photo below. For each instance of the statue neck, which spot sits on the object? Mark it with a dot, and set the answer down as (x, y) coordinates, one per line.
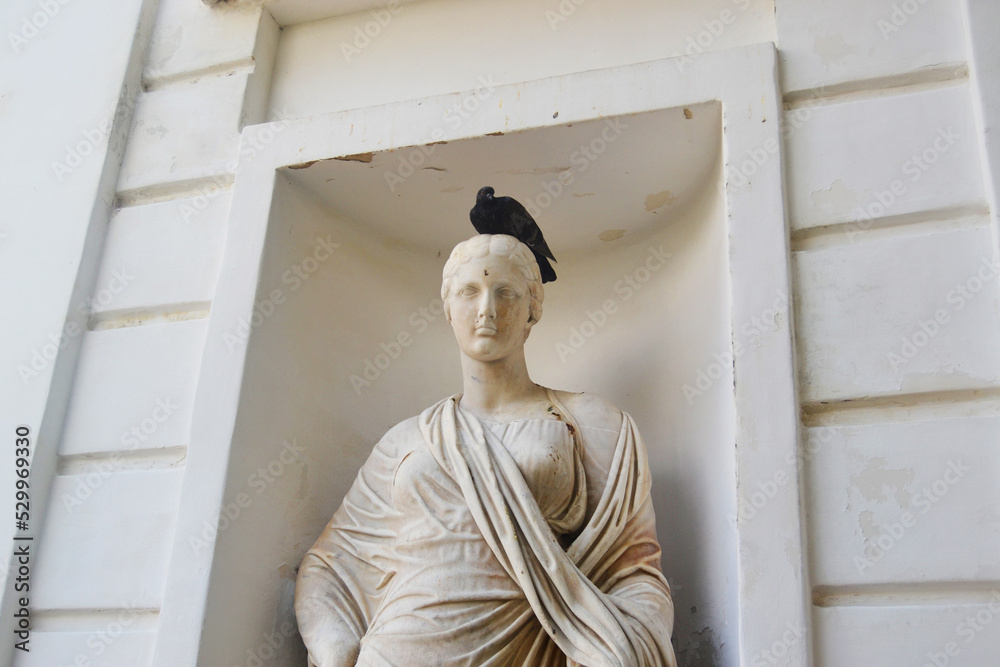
(499, 390)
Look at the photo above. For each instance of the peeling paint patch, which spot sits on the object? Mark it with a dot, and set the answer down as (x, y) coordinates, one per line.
(837, 197)
(357, 157)
(172, 43)
(663, 198)
(832, 48)
(435, 168)
(688, 114)
(303, 165)
(869, 529)
(611, 234)
(158, 131)
(876, 481)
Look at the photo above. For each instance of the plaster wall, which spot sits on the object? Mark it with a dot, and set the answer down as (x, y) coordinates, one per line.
(862, 99)
(891, 218)
(325, 65)
(58, 182)
(120, 282)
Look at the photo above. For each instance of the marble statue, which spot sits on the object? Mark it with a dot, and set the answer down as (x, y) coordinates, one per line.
(510, 524)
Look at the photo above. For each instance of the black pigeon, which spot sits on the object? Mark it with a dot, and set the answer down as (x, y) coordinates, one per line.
(505, 215)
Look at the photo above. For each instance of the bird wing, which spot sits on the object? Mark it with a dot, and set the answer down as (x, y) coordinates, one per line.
(484, 218)
(546, 270)
(526, 229)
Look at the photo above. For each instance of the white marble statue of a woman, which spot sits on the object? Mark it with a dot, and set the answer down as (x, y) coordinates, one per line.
(508, 525)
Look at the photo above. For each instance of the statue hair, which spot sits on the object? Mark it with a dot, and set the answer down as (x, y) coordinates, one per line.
(500, 245)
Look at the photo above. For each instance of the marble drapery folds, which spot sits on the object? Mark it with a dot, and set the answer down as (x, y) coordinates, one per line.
(464, 542)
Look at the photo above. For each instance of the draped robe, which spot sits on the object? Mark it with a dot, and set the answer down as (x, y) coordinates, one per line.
(468, 543)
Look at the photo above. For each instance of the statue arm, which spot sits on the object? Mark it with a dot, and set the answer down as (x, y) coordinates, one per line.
(629, 571)
(631, 577)
(330, 619)
(340, 583)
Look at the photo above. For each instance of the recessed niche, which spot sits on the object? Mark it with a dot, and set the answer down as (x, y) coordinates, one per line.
(327, 327)
(348, 337)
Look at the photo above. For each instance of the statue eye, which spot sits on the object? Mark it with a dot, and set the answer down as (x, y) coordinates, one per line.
(507, 293)
(467, 291)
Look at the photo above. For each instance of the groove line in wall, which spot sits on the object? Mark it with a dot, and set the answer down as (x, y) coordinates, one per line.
(917, 222)
(205, 186)
(908, 594)
(137, 317)
(927, 78)
(903, 407)
(127, 618)
(239, 65)
(153, 458)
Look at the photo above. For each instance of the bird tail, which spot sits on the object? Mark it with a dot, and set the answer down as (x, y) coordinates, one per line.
(548, 273)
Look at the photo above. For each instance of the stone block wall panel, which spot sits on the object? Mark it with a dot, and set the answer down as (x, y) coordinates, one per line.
(168, 251)
(886, 156)
(193, 37)
(943, 633)
(105, 541)
(103, 646)
(134, 389)
(183, 133)
(829, 43)
(905, 314)
(889, 502)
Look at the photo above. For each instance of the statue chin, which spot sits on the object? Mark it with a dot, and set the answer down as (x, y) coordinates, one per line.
(518, 533)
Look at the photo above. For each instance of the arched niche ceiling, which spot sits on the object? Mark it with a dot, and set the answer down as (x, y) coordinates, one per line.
(586, 183)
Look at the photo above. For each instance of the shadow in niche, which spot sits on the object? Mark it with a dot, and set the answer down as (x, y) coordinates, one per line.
(682, 532)
(696, 644)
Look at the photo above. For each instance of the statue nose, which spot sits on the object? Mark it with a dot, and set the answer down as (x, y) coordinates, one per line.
(487, 306)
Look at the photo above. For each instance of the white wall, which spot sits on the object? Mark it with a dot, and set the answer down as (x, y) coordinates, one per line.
(898, 367)
(440, 46)
(866, 87)
(58, 184)
(111, 411)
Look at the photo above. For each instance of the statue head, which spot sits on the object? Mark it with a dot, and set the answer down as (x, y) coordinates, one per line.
(510, 297)
(497, 245)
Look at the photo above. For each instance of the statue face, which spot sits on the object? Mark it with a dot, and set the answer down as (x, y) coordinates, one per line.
(489, 304)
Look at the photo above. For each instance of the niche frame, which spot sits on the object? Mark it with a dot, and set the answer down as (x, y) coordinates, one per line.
(773, 581)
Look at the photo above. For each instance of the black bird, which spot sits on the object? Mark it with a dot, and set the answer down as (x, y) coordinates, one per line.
(505, 215)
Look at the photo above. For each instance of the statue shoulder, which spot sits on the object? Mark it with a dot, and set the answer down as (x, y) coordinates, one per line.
(592, 410)
(401, 438)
